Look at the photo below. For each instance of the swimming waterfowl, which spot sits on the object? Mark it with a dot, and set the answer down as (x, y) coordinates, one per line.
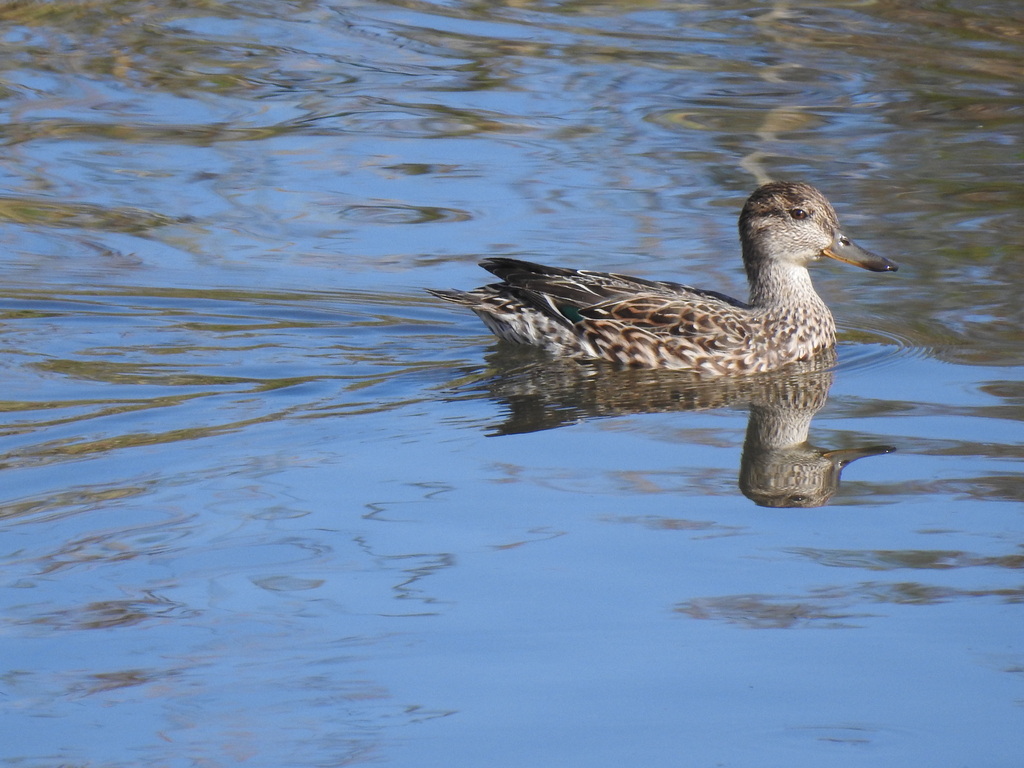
(784, 226)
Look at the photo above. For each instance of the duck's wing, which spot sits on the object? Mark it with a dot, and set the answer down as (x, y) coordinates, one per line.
(704, 320)
(567, 292)
(631, 320)
(575, 287)
(698, 333)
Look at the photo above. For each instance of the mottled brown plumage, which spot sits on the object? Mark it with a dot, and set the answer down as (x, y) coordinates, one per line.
(784, 226)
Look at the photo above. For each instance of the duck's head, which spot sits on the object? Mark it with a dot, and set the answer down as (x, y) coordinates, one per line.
(793, 223)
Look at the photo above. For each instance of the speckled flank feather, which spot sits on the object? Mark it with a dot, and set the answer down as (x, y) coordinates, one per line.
(657, 324)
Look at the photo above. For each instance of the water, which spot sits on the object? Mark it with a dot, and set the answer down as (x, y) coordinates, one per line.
(267, 503)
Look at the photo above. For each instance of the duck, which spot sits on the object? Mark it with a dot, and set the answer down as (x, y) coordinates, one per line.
(784, 227)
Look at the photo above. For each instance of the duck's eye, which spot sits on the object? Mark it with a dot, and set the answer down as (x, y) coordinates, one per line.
(798, 213)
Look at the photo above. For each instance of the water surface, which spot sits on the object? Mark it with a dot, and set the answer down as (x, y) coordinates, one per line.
(267, 503)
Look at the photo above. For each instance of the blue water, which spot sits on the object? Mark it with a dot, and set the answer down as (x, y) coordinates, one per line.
(267, 503)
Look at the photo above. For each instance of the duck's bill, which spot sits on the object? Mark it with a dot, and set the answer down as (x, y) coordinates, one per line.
(844, 249)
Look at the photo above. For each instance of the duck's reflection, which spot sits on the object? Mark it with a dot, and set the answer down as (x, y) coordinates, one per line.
(779, 466)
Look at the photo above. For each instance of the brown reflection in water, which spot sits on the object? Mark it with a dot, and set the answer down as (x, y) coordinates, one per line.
(112, 681)
(822, 610)
(22, 210)
(830, 607)
(704, 529)
(926, 559)
(106, 614)
(779, 466)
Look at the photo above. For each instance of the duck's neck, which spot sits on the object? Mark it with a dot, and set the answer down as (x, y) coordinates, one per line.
(777, 285)
(795, 321)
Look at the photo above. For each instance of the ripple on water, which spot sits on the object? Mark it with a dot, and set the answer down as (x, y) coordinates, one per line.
(404, 214)
(875, 349)
(845, 736)
(107, 371)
